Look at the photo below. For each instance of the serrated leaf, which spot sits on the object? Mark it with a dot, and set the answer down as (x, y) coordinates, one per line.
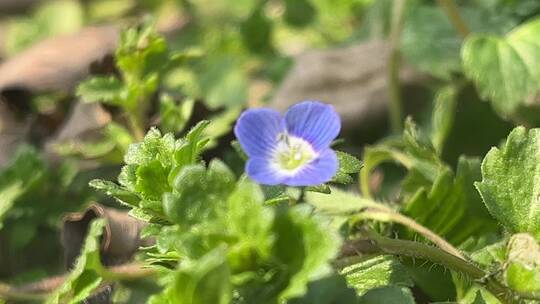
(510, 182)
(376, 272)
(451, 207)
(120, 193)
(342, 178)
(251, 223)
(153, 147)
(324, 188)
(413, 151)
(199, 193)
(188, 152)
(100, 89)
(207, 280)
(316, 245)
(152, 180)
(348, 163)
(86, 274)
(505, 69)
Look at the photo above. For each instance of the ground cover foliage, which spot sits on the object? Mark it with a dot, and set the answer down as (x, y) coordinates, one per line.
(151, 202)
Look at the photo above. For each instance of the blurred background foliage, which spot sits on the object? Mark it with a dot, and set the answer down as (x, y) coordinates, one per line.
(185, 60)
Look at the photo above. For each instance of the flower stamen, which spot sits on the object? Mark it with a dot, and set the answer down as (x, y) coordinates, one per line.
(292, 153)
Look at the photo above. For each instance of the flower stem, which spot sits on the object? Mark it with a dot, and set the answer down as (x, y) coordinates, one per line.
(453, 14)
(394, 64)
(135, 124)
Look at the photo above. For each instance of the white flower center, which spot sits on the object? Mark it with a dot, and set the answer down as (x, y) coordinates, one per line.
(292, 153)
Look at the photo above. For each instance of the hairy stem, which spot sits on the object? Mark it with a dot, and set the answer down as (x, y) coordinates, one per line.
(394, 64)
(387, 214)
(451, 10)
(418, 250)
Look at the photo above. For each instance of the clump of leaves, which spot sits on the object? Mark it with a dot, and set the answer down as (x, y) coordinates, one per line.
(143, 59)
(214, 230)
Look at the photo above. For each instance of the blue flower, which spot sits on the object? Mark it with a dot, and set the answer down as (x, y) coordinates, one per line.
(293, 149)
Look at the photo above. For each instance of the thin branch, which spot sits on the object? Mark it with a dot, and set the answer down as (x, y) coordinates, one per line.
(451, 10)
(41, 289)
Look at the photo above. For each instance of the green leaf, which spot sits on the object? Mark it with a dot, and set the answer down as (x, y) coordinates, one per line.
(207, 280)
(152, 180)
(338, 202)
(477, 295)
(199, 193)
(221, 124)
(328, 290)
(251, 223)
(348, 164)
(451, 207)
(505, 69)
(101, 89)
(324, 188)
(510, 179)
(388, 295)
(8, 195)
(120, 193)
(429, 23)
(299, 13)
(443, 115)
(223, 82)
(174, 117)
(153, 147)
(413, 151)
(24, 169)
(141, 53)
(192, 145)
(315, 246)
(376, 272)
(257, 31)
(87, 272)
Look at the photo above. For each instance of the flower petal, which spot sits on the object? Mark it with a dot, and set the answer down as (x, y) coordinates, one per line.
(316, 122)
(257, 131)
(319, 171)
(263, 172)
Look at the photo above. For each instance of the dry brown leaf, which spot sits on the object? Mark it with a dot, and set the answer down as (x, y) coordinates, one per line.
(354, 79)
(120, 240)
(58, 63)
